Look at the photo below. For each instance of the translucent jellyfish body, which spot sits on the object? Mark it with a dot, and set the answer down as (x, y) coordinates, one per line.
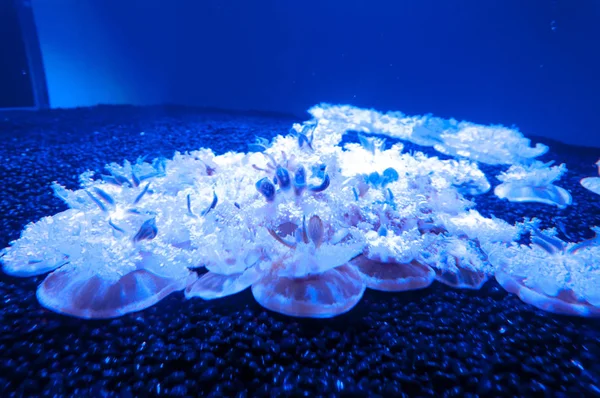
(307, 224)
(389, 262)
(552, 275)
(295, 266)
(106, 252)
(592, 183)
(533, 183)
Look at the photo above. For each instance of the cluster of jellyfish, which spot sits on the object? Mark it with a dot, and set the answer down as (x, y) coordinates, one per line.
(308, 223)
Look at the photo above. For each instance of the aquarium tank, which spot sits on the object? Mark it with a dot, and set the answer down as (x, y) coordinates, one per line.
(299, 198)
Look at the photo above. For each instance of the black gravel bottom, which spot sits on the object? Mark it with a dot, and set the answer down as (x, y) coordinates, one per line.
(437, 342)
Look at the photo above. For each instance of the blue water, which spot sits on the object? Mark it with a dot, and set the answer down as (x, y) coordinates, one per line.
(531, 64)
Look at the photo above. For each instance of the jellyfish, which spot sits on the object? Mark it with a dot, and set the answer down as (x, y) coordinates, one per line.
(592, 183)
(390, 261)
(534, 183)
(121, 247)
(308, 224)
(552, 275)
(312, 278)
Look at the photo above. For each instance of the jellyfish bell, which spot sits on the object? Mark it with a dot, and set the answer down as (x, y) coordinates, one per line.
(311, 278)
(552, 275)
(389, 262)
(228, 273)
(546, 194)
(108, 281)
(323, 295)
(393, 275)
(534, 183)
(592, 183)
(548, 297)
(457, 262)
(213, 285)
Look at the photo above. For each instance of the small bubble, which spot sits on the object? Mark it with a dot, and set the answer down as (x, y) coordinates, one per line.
(553, 25)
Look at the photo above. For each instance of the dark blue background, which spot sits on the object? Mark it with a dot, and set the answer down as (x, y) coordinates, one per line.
(15, 84)
(488, 61)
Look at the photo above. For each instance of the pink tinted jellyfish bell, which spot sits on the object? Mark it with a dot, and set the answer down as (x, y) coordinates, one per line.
(552, 275)
(109, 277)
(312, 278)
(111, 258)
(84, 293)
(389, 262)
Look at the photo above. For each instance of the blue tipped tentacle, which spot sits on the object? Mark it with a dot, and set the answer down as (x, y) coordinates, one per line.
(121, 179)
(322, 186)
(109, 179)
(104, 196)
(266, 188)
(160, 167)
(211, 206)
(116, 227)
(141, 195)
(389, 175)
(299, 180)
(374, 179)
(303, 134)
(96, 201)
(255, 148)
(283, 178)
(544, 245)
(558, 244)
(149, 175)
(303, 139)
(304, 230)
(160, 164)
(259, 145)
(189, 205)
(148, 231)
(365, 143)
(135, 179)
(390, 198)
